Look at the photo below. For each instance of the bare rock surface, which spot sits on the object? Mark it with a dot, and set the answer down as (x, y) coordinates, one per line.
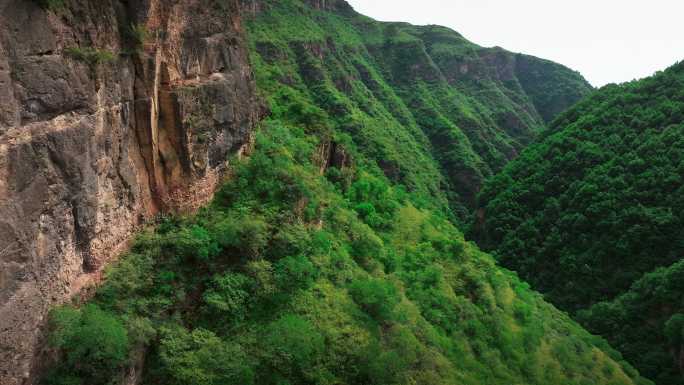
(90, 151)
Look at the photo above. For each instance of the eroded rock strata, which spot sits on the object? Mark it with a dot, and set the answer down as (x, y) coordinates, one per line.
(110, 113)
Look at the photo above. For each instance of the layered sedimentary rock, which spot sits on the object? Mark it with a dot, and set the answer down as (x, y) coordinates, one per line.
(110, 113)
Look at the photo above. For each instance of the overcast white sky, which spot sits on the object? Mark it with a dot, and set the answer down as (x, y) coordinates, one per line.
(608, 41)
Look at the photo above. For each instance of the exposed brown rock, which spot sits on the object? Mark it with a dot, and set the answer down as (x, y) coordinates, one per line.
(89, 152)
(332, 154)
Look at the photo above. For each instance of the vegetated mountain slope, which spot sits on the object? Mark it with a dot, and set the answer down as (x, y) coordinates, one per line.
(424, 100)
(596, 204)
(296, 277)
(647, 323)
(313, 267)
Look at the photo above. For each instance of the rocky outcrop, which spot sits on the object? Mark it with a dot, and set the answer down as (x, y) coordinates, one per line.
(110, 112)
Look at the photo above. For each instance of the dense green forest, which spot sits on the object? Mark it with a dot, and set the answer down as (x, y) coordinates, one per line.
(595, 206)
(331, 255)
(647, 323)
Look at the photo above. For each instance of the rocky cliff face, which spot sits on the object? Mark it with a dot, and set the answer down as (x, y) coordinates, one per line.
(110, 112)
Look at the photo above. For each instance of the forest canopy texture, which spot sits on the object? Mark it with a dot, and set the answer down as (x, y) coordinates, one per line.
(595, 212)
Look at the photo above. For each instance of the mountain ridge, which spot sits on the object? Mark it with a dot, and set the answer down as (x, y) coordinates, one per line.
(465, 99)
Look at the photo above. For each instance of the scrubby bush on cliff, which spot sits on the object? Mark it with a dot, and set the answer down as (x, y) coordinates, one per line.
(93, 343)
(202, 358)
(293, 350)
(89, 55)
(52, 5)
(136, 35)
(376, 297)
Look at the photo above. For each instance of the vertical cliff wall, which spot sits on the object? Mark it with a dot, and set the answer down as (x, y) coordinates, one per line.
(110, 112)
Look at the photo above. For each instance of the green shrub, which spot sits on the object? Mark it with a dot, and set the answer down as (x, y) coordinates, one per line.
(366, 246)
(51, 5)
(295, 273)
(292, 346)
(201, 358)
(381, 366)
(375, 201)
(244, 234)
(290, 239)
(93, 342)
(90, 56)
(137, 34)
(126, 280)
(229, 295)
(376, 297)
(192, 242)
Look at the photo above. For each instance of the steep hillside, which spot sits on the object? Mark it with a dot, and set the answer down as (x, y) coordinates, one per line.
(595, 205)
(440, 113)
